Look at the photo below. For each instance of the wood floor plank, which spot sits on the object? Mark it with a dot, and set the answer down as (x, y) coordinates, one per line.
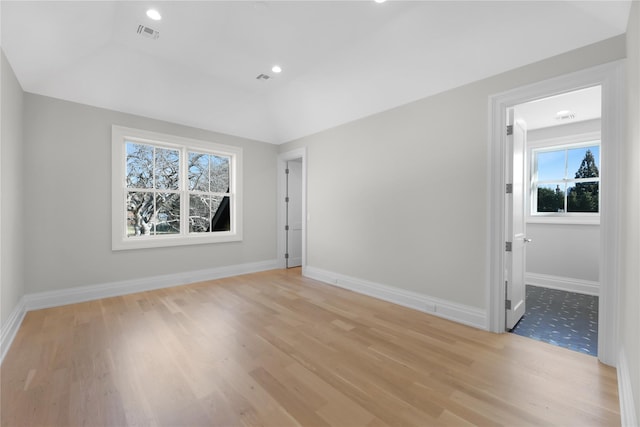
(277, 349)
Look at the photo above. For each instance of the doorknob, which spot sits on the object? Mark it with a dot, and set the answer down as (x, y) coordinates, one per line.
(527, 240)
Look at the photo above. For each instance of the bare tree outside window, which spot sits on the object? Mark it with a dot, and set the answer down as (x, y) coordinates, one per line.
(168, 190)
(208, 184)
(149, 169)
(153, 198)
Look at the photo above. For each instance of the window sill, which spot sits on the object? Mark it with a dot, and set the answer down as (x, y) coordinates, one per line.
(569, 220)
(170, 241)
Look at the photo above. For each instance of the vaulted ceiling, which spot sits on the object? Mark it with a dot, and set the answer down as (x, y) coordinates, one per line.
(341, 60)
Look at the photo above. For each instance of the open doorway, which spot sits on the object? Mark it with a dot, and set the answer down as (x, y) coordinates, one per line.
(292, 216)
(560, 163)
(293, 213)
(610, 77)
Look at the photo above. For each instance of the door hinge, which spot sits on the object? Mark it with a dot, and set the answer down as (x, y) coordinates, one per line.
(509, 188)
(509, 130)
(507, 304)
(286, 256)
(507, 246)
(286, 171)
(286, 228)
(286, 200)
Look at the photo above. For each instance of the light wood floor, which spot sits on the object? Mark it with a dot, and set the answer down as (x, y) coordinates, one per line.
(276, 349)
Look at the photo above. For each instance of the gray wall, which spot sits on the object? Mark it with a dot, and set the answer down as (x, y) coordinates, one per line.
(564, 250)
(67, 204)
(400, 198)
(585, 126)
(12, 232)
(629, 320)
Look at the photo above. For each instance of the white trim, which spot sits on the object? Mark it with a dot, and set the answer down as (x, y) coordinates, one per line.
(283, 158)
(3, 345)
(119, 240)
(625, 392)
(565, 220)
(467, 315)
(569, 284)
(41, 300)
(10, 328)
(611, 77)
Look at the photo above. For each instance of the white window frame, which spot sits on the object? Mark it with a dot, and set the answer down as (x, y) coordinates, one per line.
(119, 137)
(560, 143)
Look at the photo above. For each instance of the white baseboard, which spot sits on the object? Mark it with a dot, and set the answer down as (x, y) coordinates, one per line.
(40, 300)
(625, 393)
(563, 283)
(467, 315)
(10, 328)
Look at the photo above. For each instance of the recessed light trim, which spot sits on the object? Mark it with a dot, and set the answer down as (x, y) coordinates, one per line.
(276, 69)
(154, 14)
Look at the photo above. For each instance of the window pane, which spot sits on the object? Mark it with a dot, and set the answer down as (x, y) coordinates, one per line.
(584, 162)
(167, 169)
(139, 213)
(146, 218)
(199, 213)
(198, 172)
(220, 213)
(583, 197)
(551, 197)
(209, 213)
(551, 165)
(219, 174)
(139, 165)
(167, 220)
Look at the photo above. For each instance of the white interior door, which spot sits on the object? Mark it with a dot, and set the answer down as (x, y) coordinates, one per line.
(515, 248)
(294, 213)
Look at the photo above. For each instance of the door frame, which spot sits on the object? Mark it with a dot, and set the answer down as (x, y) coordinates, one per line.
(283, 158)
(611, 77)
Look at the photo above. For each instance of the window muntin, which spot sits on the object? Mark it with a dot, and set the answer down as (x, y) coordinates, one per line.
(209, 198)
(565, 180)
(153, 184)
(169, 190)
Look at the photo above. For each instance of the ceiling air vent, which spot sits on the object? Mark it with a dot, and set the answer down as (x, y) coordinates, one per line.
(147, 32)
(263, 77)
(565, 115)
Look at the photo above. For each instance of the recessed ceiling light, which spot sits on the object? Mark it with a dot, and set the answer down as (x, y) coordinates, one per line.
(154, 14)
(276, 69)
(380, 1)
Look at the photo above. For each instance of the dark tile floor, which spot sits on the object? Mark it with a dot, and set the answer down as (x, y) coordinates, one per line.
(565, 319)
